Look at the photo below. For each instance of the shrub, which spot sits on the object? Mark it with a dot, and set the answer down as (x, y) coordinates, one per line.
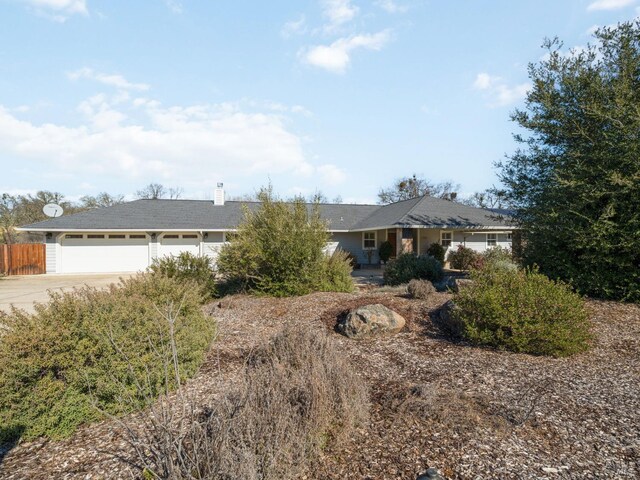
(463, 258)
(298, 394)
(385, 251)
(187, 267)
(89, 348)
(437, 251)
(420, 289)
(278, 250)
(408, 266)
(522, 311)
(336, 274)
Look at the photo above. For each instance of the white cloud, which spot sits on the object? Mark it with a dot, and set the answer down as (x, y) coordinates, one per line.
(294, 27)
(174, 5)
(609, 4)
(391, 6)
(112, 80)
(498, 92)
(339, 12)
(331, 174)
(58, 10)
(140, 139)
(337, 56)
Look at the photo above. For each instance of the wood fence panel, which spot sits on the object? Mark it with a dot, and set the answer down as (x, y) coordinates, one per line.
(23, 259)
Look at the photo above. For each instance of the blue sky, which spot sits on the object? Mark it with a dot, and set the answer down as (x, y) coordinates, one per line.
(341, 96)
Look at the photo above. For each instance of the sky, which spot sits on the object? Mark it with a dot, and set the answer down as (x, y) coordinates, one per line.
(337, 96)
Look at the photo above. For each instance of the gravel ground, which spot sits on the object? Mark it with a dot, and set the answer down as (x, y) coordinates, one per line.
(472, 413)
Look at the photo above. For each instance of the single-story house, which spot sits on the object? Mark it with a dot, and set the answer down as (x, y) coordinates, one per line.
(129, 236)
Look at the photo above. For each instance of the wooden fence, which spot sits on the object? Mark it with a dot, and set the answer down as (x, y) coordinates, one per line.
(22, 259)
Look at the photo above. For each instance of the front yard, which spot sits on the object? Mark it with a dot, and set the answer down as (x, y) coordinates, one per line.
(470, 412)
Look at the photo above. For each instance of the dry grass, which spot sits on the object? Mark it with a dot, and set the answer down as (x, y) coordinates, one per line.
(297, 395)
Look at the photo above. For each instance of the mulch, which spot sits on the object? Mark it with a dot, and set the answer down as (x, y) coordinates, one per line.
(469, 412)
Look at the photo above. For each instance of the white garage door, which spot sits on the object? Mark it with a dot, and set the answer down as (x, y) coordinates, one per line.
(175, 244)
(104, 253)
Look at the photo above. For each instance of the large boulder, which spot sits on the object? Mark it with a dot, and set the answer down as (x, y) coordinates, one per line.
(370, 320)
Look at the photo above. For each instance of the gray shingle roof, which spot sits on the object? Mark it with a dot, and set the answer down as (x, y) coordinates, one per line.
(149, 215)
(158, 215)
(431, 212)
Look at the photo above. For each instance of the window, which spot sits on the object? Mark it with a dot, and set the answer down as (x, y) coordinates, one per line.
(74, 236)
(189, 236)
(172, 236)
(446, 238)
(492, 239)
(117, 236)
(137, 236)
(95, 236)
(509, 237)
(369, 240)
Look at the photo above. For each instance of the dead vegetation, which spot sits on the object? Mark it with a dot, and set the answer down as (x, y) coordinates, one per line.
(470, 412)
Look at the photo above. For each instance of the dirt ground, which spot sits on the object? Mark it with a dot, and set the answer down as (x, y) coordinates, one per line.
(472, 413)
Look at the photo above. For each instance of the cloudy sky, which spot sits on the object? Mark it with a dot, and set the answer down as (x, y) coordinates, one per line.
(340, 96)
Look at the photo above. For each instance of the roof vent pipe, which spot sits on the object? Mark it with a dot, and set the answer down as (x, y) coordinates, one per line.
(218, 195)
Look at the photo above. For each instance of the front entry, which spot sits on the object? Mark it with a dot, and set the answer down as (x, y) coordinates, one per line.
(392, 238)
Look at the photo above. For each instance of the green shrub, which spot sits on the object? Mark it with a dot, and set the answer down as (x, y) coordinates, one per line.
(420, 289)
(278, 250)
(385, 251)
(93, 348)
(463, 258)
(522, 311)
(437, 251)
(187, 267)
(408, 266)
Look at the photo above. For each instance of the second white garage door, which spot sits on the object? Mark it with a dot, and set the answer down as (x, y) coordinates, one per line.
(175, 244)
(106, 253)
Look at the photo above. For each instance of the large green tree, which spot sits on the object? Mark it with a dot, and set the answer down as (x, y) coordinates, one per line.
(575, 180)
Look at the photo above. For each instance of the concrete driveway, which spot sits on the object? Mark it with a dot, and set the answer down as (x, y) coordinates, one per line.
(23, 291)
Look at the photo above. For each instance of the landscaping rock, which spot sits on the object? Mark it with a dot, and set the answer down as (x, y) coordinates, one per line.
(370, 320)
(430, 474)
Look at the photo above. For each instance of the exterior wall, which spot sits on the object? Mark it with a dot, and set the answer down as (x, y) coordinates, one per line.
(475, 241)
(352, 242)
(52, 248)
(153, 247)
(212, 243)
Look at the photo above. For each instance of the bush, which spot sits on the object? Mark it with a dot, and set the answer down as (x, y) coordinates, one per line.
(187, 267)
(437, 251)
(408, 266)
(278, 251)
(298, 394)
(90, 348)
(463, 258)
(420, 289)
(522, 311)
(385, 251)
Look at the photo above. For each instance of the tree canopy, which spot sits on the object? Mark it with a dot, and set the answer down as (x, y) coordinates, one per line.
(575, 179)
(416, 186)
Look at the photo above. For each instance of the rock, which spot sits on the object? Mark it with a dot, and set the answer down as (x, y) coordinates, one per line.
(461, 283)
(430, 474)
(370, 320)
(550, 470)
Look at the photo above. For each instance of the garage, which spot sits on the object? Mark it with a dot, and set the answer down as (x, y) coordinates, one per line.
(98, 253)
(176, 243)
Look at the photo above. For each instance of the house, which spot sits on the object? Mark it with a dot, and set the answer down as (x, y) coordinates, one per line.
(129, 236)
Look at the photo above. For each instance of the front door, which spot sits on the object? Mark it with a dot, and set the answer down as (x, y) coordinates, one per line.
(393, 240)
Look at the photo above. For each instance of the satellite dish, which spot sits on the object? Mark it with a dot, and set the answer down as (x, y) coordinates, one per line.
(52, 210)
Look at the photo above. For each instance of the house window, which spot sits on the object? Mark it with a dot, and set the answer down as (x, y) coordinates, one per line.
(137, 236)
(117, 236)
(369, 240)
(492, 239)
(189, 236)
(95, 236)
(172, 236)
(73, 236)
(509, 237)
(446, 238)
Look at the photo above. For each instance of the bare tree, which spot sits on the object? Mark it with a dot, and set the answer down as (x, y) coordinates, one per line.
(152, 191)
(490, 198)
(417, 186)
(103, 199)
